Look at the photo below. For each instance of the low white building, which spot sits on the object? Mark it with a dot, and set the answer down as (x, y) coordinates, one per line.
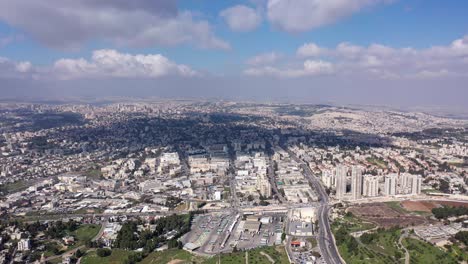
(24, 245)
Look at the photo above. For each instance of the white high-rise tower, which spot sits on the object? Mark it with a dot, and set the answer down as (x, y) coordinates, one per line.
(416, 184)
(340, 181)
(356, 182)
(371, 186)
(390, 184)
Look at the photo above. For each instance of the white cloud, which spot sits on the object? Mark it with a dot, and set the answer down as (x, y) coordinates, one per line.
(24, 66)
(348, 50)
(317, 67)
(310, 50)
(12, 69)
(427, 74)
(241, 18)
(310, 68)
(265, 58)
(304, 15)
(378, 61)
(111, 63)
(433, 62)
(144, 23)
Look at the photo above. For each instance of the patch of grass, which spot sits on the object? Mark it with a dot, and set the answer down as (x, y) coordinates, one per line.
(182, 206)
(86, 232)
(395, 205)
(425, 253)
(52, 249)
(13, 187)
(118, 256)
(312, 241)
(383, 249)
(352, 223)
(363, 256)
(277, 253)
(169, 255)
(94, 174)
(458, 253)
(422, 213)
(386, 243)
(55, 261)
(378, 162)
(426, 191)
(89, 211)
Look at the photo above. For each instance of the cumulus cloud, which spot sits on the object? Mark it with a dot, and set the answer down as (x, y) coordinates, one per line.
(265, 58)
(12, 69)
(310, 50)
(309, 68)
(433, 62)
(241, 18)
(111, 63)
(144, 23)
(304, 15)
(378, 61)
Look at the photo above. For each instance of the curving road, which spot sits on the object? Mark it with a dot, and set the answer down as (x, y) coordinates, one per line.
(325, 238)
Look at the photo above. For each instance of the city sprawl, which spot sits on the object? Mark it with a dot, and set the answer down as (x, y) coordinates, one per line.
(223, 180)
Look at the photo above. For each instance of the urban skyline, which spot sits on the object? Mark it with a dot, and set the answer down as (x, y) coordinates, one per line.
(233, 131)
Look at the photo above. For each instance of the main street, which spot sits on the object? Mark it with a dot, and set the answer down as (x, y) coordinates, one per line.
(325, 238)
(272, 179)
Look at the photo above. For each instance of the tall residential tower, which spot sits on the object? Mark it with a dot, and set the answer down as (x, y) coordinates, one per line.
(340, 181)
(356, 182)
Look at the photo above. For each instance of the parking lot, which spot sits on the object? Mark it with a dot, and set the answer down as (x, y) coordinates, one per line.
(221, 232)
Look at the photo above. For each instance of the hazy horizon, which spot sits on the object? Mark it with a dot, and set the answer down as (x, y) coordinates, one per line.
(404, 54)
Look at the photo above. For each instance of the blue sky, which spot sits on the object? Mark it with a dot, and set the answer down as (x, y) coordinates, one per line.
(411, 23)
(383, 41)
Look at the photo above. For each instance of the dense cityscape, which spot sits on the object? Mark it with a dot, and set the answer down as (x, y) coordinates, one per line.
(233, 132)
(209, 182)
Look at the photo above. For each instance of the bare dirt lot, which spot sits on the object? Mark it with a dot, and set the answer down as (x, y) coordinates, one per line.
(418, 206)
(385, 216)
(427, 206)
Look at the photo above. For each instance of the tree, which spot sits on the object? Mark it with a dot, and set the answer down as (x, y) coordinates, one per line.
(78, 253)
(352, 244)
(103, 252)
(173, 243)
(91, 244)
(444, 186)
(462, 236)
(447, 211)
(367, 238)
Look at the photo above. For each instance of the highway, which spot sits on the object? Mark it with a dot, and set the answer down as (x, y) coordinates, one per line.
(325, 238)
(232, 185)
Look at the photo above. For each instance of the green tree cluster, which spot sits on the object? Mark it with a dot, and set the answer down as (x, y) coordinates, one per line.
(462, 236)
(449, 211)
(130, 238)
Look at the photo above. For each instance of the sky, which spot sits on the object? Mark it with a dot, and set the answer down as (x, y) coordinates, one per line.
(377, 52)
